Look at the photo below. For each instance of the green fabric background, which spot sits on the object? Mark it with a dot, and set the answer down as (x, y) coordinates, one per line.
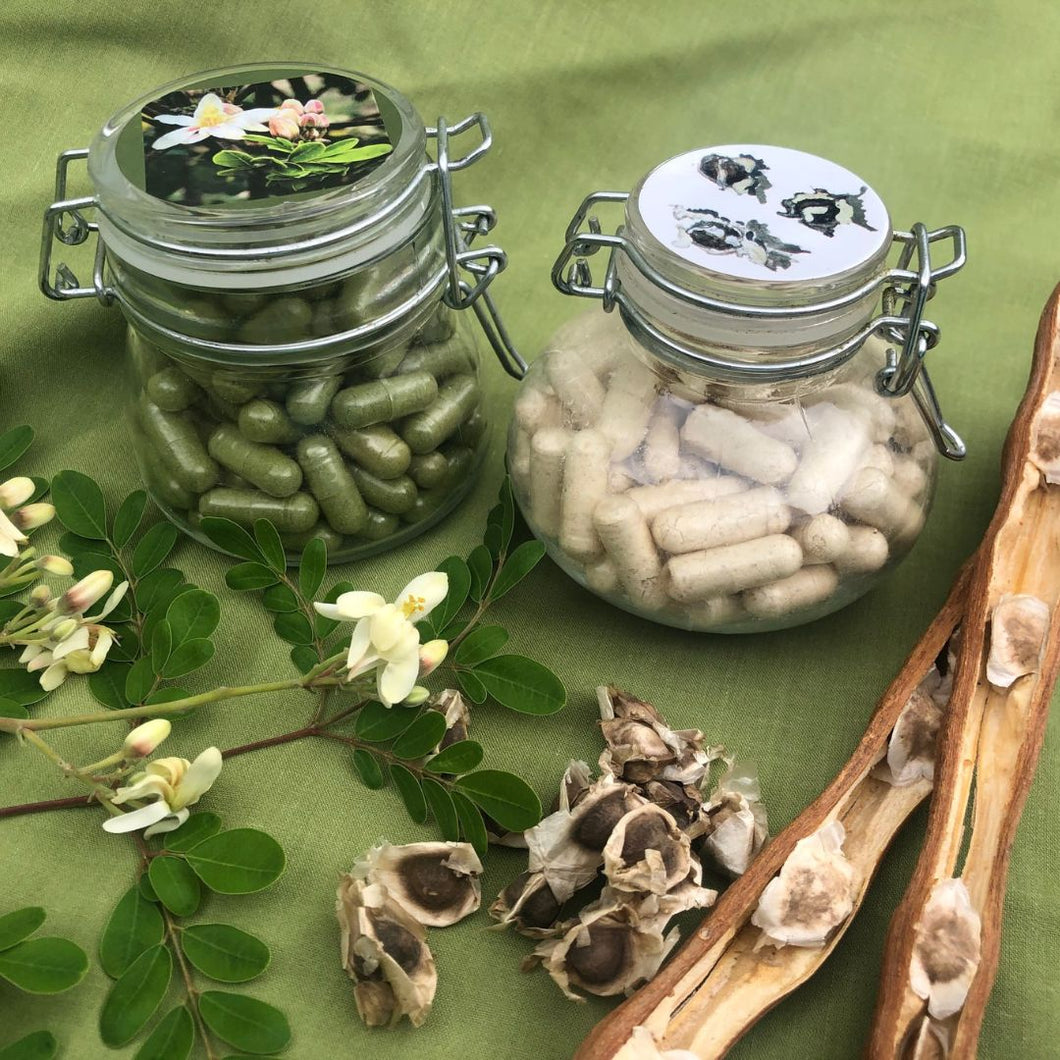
(949, 110)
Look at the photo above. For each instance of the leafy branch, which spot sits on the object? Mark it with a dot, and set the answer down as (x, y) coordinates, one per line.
(302, 163)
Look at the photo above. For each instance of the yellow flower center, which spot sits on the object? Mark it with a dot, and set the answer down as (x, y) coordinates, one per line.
(210, 115)
(413, 604)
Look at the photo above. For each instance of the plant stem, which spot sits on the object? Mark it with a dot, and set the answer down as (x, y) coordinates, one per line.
(101, 792)
(271, 741)
(46, 806)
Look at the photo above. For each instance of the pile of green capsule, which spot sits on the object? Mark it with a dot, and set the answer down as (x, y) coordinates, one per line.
(352, 456)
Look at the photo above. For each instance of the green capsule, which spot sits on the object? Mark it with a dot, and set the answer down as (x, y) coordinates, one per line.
(308, 400)
(380, 365)
(171, 390)
(428, 429)
(394, 495)
(297, 542)
(332, 484)
(323, 320)
(286, 319)
(470, 432)
(234, 387)
(441, 359)
(428, 470)
(146, 357)
(288, 514)
(439, 328)
(217, 409)
(174, 437)
(377, 449)
(427, 504)
(460, 461)
(244, 303)
(381, 525)
(262, 420)
(200, 316)
(261, 465)
(384, 400)
(232, 480)
(161, 481)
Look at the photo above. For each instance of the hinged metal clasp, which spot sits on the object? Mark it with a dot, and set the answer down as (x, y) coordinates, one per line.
(906, 298)
(462, 226)
(66, 284)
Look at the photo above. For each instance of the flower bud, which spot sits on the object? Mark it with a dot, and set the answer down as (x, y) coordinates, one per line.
(285, 124)
(292, 104)
(314, 121)
(16, 491)
(86, 592)
(432, 655)
(55, 565)
(314, 106)
(40, 596)
(64, 629)
(145, 738)
(417, 696)
(31, 516)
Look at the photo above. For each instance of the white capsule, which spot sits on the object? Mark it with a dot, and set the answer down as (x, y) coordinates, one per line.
(619, 479)
(654, 499)
(804, 588)
(881, 458)
(732, 568)
(548, 450)
(519, 459)
(538, 407)
(584, 486)
(662, 446)
(715, 611)
(625, 535)
(710, 524)
(737, 445)
(837, 444)
(872, 498)
(599, 339)
(823, 538)
(868, 551)
(627, 408)
(910, 477)
(576, 386)
(601, 576)
(858, 398)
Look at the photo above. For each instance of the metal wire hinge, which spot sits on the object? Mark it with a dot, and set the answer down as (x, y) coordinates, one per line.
(462, 226)
(65, 284)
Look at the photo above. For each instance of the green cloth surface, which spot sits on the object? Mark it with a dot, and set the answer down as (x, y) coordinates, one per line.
(947, 108)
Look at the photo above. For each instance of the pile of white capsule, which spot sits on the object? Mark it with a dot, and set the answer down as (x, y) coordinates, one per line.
(706, 507)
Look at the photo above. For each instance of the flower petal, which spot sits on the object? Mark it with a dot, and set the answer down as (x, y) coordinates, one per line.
(77, 641)
(423, 594)
(360, 642)
(255, 114)
(388, 627)
(144, 786)
(137, 819)
(167, 824)
(199, 778)
(328, 611)
(358, 604)
(113, 600)
(53, 677)
(183, 135)
(397, 679)
(175, 119)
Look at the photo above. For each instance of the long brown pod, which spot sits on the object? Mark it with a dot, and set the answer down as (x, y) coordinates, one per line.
(677, 1005)
(992, 734)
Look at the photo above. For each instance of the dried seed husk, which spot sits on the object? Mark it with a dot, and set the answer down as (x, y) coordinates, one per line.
(607, 950)
(947, 949)
(435, 883)
(384, 950)
(1018, 630)
(457, 714)
(529, 905)
(647, 852)
(683, 802)
(577, 779)
(911, 748)
(812, 895)
(736, 825)
(1045, 451)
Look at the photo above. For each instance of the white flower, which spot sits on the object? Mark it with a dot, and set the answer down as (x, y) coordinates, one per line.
(174, 784)
(16, 491)
(10, 537)
(385, 637)
(212, 117)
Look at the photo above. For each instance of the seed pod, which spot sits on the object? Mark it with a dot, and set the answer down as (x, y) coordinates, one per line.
(1046, 452)
(607, 950)
(736, 823)
(575, 785)
(385, 952)
(641, 1045)
(947, 949)
(642, 747)
(309, 400)
(647, 852)
(812, 895)
(435, 883)
(683, 802)
(528, 904)
(1017, 636)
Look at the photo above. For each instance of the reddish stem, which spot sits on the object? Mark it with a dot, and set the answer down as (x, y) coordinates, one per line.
(49, 804)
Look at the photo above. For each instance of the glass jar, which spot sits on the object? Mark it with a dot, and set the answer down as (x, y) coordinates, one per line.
(293, 272)
(748, 443)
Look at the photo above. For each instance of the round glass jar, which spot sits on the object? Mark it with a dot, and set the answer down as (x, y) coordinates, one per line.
(748, 443)
(293, 272)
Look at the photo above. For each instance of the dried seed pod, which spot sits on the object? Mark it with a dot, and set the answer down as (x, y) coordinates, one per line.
(529, 905)
(641, 1045)
(1046, 450)
(642, 747)
(737, 826)
(436, 883)
(608, 950)
(567, 847)
(384, 950)
(457, 716)
(1017, 635)
(577, 779)
(682, 802)
(647, 852)
(946, 951)
(688, 894)
(911, 750)
(812, 895)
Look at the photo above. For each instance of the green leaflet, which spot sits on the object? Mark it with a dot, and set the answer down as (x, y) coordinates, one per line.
(508, 799)
(40, 1045)
(224, 952)
(20, 924)
(135, 926)
(171, 1039)
(244, 1022)
(238, 861)
(177, 887)
(44, 965)
(135, 995)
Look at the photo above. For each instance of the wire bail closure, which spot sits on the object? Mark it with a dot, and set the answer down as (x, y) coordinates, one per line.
(65, 223)
(905, 290)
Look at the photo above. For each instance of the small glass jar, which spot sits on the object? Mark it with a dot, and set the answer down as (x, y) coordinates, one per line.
(748, 443)
(293, 272)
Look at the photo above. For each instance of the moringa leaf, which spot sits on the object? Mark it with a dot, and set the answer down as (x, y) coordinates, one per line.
(249, 576)
(151, 550)
(127, 518)
(139, 680)
(80, 505)
(459, 757)
(244, 1022)
(13, 444)
(480, 644)
(40, 1045)
(43, 965)
(268, 539)
(16, 926)
(521, 684)
(516, 567)
(171, 1039)
(193, 615)
(480, 564)
(188, 657)
(230, 537)
(177, 887)
(194, 830)
(135, 995)
(134, 926)
(508, 799)
(410, 791)
(224, 952)
(368, 769)
(238, 861)
(421, 737)
(375, 723)
(311, 570)
(473, 688)
(441, 806)
(472, 827)
(107, 684)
